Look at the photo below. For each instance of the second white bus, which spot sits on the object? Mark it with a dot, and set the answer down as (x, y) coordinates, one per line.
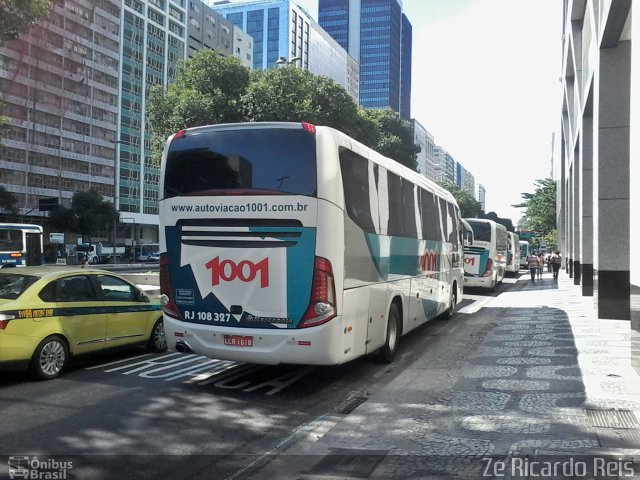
(485, 262)
(290, 243)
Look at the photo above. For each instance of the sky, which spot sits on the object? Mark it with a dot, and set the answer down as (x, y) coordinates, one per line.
(485, 84)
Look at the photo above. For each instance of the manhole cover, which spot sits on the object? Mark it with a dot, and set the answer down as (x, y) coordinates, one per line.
(612, 418)
(348, 462)
(618, 438)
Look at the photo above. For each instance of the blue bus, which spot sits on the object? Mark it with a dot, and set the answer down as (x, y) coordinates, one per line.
(21, 245)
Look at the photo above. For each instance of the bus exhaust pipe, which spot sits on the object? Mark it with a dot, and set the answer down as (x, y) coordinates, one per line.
(183, 347)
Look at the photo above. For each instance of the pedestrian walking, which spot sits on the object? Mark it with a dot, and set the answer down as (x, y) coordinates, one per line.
(547, 260)
(556, 262)
(540, 265)
(533, 263)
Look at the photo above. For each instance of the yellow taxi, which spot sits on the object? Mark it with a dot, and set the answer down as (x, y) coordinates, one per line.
(49, 314)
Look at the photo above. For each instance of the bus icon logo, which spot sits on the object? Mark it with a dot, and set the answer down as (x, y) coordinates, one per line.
(19, 467)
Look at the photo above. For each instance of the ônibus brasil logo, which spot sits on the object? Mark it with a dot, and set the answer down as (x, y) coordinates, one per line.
(245, 271)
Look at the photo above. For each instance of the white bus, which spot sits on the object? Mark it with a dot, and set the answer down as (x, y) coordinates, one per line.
(485, 262)
(513, 253)
(524, 254)
(291, 243)
(20, 245)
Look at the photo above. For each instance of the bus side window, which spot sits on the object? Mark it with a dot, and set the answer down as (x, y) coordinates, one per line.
(355, 182)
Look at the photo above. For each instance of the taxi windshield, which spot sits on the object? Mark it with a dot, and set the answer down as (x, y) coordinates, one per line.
(12, 285)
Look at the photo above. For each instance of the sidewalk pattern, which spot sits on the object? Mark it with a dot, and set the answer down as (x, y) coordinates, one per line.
(548, 379)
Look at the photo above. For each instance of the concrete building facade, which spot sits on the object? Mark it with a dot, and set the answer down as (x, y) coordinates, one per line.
(600, 136)
(445, 166)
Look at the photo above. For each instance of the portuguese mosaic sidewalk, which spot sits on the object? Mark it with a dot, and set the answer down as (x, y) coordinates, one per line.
(545, 380)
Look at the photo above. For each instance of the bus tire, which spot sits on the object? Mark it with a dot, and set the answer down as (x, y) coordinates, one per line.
(453, 300)
(388, 350)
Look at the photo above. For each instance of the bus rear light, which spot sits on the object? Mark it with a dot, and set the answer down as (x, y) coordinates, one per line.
(309, 127)
(304, 343)
(489, 269)
(15, 254)
(180, 134)
(322, 305)
(166, 297)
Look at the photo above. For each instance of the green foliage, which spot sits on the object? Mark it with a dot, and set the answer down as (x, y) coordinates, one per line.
(396, 137)
(89, 215)
(540, 213)
(502, 221)
(208, 90)
(18, 15)
(211, 89)
(7, 201)
(469, 206)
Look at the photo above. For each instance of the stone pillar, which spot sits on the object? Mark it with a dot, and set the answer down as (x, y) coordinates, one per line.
(586, 205)
(576, 226)
(611, 183)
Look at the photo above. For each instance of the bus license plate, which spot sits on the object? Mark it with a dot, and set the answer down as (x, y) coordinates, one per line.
(238, 341)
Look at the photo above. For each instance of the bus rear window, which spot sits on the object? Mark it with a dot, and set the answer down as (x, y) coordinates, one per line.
(481, 231)
(265, 159)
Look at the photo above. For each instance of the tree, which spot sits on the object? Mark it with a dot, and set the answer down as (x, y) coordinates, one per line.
(89, 215)
(208, 89)
(540, 213)
(7, 201)
(292, 94)
(211, 89)
(18, 15)
(502, 221)
(396, 137)
(469, 206)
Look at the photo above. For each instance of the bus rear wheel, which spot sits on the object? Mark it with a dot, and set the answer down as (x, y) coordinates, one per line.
(388, 350)
(453, 300)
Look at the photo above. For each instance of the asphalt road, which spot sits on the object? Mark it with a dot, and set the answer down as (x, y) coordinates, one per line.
(140, 415)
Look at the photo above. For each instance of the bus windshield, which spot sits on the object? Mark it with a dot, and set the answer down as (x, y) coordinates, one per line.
(265, 160)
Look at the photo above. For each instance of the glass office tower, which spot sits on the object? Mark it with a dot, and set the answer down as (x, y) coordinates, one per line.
(379, 36)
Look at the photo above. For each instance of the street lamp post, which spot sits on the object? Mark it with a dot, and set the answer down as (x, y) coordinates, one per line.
(283, 61)
(116, 157)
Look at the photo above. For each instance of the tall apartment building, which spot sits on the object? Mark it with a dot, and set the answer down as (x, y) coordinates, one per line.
(465, 179)
(482, 197)
(284, 31)
(75, 89)
(445, 166)
(379, 36)
(425, 158)
(59, 84)
(598, 206)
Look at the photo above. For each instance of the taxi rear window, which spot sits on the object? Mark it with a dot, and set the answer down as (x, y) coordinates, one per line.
(12, 285)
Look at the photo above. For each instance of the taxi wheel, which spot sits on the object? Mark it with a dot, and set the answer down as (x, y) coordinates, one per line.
(50, 358)
(388, 350)
(157, 340)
